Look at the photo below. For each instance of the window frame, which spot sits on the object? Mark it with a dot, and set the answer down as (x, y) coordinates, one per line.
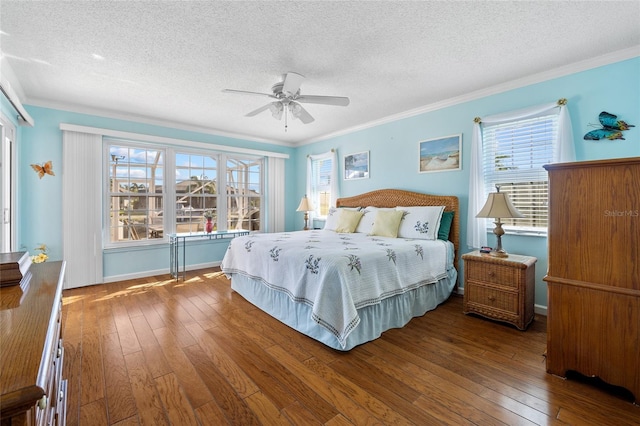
(107, 192)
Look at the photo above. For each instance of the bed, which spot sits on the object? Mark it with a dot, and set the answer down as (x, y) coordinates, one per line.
(346, 287)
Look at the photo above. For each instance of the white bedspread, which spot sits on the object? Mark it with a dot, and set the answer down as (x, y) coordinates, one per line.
(337, 273)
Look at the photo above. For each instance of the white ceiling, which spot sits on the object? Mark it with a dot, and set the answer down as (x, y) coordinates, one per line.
(167, 62)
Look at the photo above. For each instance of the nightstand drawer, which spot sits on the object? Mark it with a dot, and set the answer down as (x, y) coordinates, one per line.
(494, 274)
(491, 298)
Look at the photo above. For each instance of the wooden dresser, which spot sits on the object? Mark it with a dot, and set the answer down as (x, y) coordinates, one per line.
(594, 271)
(500, 288)
(32, 391)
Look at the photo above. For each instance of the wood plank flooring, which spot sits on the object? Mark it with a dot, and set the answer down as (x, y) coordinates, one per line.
(155, 352)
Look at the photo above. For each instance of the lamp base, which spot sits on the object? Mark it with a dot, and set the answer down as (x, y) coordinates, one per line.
(498, 253)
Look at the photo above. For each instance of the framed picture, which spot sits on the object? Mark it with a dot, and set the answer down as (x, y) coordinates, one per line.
(356, 166)
(441, 154)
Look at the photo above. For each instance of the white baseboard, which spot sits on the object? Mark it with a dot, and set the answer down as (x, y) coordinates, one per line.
(164, 271)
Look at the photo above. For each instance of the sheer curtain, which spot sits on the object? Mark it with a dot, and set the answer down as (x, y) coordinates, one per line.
(312, 178)
(82, 208)
(563, 151)
(275, 194)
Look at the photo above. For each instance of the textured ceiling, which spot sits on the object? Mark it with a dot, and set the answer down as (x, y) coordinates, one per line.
(167, 62)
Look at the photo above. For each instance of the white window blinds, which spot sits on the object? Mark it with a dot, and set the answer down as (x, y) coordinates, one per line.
(513, 156)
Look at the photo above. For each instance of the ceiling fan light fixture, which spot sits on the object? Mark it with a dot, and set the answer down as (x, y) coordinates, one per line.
(276, 110)
(295, 110)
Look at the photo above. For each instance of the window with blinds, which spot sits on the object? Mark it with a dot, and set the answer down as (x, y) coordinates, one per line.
(321, 185)
(513, 156)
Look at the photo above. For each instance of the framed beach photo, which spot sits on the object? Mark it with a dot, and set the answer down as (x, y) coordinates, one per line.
(441, 154)
(356, 166)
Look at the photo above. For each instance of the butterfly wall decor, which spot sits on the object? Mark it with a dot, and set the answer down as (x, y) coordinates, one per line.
(611, 128)
(45, 169)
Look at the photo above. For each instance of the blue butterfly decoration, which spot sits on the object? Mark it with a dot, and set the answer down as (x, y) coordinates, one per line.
(611, 128)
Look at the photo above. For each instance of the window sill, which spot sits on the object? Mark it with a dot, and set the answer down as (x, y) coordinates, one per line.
(522, 231)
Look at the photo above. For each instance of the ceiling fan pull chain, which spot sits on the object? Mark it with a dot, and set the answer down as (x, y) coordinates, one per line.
(285, 120)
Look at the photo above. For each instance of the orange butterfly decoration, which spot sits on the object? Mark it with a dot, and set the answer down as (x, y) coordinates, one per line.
(46, 168)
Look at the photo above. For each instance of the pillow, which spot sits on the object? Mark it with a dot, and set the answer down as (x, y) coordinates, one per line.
(420, 222)
(332, 217)
(366, 223)
(387, 223)
(445, 225)
(348, 220)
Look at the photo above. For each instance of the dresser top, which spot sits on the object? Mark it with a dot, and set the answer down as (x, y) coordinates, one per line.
(27, 322)
(594, 163)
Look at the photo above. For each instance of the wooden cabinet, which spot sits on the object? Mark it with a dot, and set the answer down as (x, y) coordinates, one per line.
(32, 391)
(502, 289)
(594, 271)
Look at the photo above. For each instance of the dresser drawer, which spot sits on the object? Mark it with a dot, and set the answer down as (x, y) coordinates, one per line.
(495, 274)
(481, 297)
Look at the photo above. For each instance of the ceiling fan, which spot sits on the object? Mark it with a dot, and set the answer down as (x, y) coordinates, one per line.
(287, 97)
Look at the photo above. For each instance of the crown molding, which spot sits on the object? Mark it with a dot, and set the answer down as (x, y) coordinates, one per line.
(78, 109)
(598, 61)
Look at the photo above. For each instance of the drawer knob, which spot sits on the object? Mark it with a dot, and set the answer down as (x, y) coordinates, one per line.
(492, 274)
(492, 298)
(42, 403)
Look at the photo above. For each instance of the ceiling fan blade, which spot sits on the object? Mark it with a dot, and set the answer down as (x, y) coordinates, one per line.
(297, 111)
(259, 110)
(244, 92)
(292, 82)
(325, 100)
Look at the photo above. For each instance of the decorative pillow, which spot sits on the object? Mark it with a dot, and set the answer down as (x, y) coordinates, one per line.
(333, 215)
(445, 225)
(387, 223)
(420, 222)
(348, 220)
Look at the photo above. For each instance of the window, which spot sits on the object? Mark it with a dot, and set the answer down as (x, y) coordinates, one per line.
(136, 192)
(196, 190)
(321, 177)
(244, 177)
(145, 202)
(513, 156)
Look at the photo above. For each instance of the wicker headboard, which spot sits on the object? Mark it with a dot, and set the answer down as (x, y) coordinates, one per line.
(399, 197)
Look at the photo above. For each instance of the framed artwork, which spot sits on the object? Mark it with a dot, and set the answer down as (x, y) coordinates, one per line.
(356, 166)
(441, 154)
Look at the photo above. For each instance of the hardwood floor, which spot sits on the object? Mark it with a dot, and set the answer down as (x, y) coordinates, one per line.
(153, 351)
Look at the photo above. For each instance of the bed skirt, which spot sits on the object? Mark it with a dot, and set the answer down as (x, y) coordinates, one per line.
(393, 312)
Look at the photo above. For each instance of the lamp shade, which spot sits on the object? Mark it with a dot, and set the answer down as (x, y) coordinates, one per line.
(305, 205)
(499, 205)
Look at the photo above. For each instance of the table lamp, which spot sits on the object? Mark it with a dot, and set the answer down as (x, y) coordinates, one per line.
(498, 206)
(305, 206)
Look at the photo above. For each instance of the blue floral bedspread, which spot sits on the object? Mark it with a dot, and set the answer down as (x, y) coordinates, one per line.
(336, 274)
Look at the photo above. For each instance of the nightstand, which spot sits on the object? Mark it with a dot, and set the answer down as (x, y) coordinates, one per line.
(502, 289)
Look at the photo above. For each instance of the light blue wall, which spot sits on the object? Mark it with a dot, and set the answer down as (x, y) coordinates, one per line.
(393, 151)
(39, 200)
(393, 147)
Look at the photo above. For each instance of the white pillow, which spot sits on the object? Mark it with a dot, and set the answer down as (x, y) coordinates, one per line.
(420, 222)
(369, 217)
(332, 217)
